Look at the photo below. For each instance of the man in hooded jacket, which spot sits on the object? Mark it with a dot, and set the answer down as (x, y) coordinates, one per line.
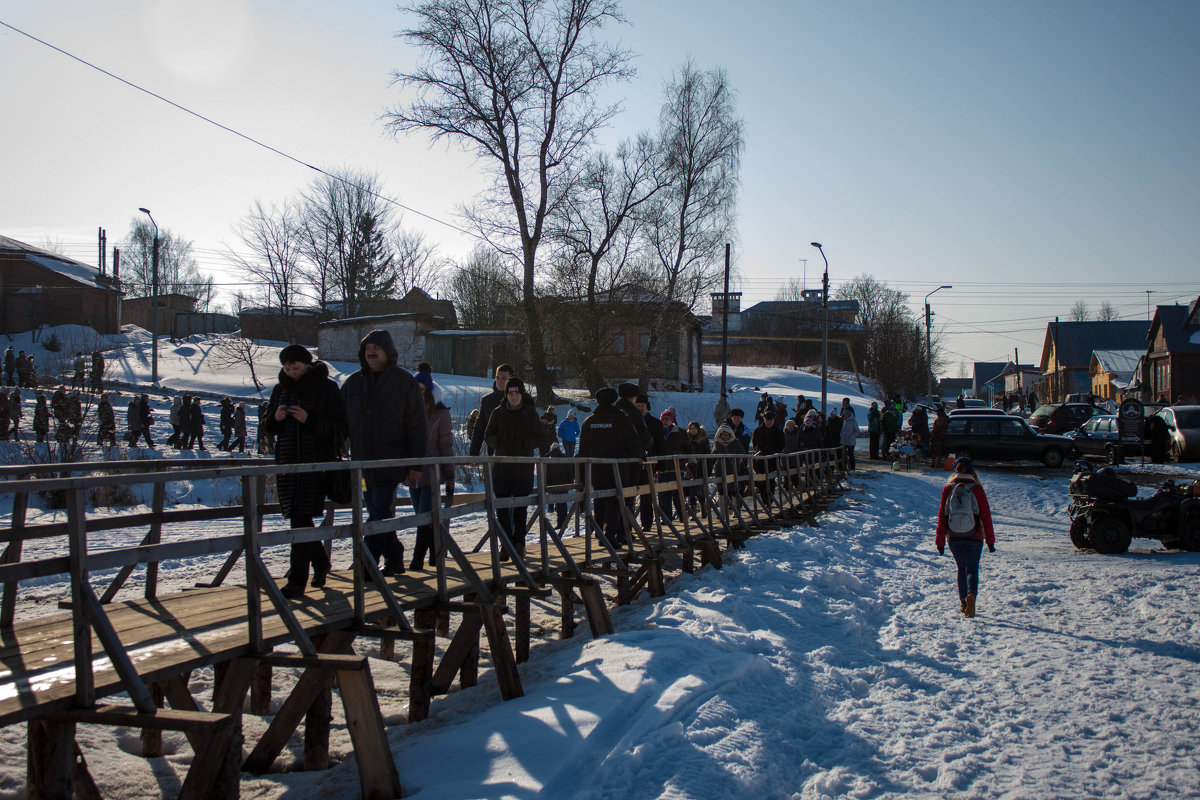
(386, 415)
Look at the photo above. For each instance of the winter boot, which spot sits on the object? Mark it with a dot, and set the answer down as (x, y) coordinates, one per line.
(969, 605)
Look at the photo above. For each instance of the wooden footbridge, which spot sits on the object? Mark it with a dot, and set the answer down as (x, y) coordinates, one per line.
(120, 653)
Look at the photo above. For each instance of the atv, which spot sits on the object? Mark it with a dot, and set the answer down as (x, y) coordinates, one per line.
(1106, 515)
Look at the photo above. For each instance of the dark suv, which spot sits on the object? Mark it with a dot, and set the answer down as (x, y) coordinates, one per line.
(1001, 438)
(1063, 416)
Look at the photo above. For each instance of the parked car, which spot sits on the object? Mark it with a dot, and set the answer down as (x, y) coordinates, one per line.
(997, 412)
(1184, 424)
(1099, 437)
(1083, 397)
(1061, 417)
(1004, 438)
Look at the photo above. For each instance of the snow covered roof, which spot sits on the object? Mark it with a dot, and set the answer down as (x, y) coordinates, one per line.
(76, 271)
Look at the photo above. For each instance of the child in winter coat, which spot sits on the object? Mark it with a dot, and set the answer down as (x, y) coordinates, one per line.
(965, 522)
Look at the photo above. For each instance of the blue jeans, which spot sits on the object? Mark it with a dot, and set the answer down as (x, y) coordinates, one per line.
(568, 448)
(380, 500)
(966, 554)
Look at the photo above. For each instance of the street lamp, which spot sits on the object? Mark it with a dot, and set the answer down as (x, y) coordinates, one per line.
(824, 326)
(928, 347)
(153, 300)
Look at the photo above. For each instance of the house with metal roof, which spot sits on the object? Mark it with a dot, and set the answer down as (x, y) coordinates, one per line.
(39, 287)
(1067, 352)
(987, 380)
(1173, 354)
(1113, 372)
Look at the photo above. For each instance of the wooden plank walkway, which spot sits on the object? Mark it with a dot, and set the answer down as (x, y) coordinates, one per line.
(157, 639)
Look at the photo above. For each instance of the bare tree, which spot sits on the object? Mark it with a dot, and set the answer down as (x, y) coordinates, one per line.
(415, 262)
(274, 238)
(1079, 312)
(177, 270)
(346, 222)
(482, 286)
(891, 355)
(230, 350)
(514, 82)
(692, 217)
(598, 231)
(1107, 312)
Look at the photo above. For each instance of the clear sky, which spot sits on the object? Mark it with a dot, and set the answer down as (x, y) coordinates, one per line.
(1029, 153)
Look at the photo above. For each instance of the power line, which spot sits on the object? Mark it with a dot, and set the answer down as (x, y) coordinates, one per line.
(236, 132)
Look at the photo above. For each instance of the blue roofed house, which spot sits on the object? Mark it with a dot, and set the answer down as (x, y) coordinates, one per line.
(1067, 353)
(987, 380)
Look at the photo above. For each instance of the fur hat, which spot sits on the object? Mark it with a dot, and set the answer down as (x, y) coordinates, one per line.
(736, 412)
(723, 429)
(606, 396)
(295, 354)
(625, 390)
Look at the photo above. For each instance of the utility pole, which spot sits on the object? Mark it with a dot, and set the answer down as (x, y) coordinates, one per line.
(824, 327)
(929, 342)
(725, 324)
(153, 301)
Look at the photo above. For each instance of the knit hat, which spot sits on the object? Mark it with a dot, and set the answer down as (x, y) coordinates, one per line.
(296, 354)
(963, 464)
(606, 396)
(425, 379)
(667, 414)
(625, 390)
(571, 414)
(513, 383)
(769, 414)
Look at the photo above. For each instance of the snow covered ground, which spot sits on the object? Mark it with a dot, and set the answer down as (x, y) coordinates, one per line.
(826, 661)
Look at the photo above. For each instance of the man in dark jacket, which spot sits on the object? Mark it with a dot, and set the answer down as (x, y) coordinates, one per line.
(487, 404)
(768, 439)
(514, 429)
(609, 433)
(658, 447)
(386, 414)
(226, 423)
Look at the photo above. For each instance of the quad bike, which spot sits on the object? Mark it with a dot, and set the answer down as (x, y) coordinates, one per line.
(1106, 515)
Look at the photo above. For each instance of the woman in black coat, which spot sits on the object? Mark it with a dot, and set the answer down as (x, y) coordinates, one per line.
(307, 418)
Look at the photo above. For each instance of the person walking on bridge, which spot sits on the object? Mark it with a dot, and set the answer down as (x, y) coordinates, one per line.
(307, 417)
(386, 414)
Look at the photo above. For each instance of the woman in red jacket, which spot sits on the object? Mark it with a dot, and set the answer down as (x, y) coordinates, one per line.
(965, 519)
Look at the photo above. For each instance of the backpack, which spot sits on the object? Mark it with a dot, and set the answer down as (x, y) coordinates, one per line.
(961, 508)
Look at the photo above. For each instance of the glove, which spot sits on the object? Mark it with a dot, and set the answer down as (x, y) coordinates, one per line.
(991, 548)
(941, 551)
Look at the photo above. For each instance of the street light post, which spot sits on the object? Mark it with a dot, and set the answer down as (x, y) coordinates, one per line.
(824, 327)
(153, 301)
(928, 340)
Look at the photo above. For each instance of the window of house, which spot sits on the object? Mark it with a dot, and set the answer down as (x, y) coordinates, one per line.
(619, 343)
(644, 343)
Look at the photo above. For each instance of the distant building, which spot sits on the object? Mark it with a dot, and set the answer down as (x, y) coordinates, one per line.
(1113, 372)
(1067, 353)
(38, 287)
(1173, 354)
(987, 380)
(950, 388)
(781, 331)
(269, 324)
(475, 353)
(338, 340)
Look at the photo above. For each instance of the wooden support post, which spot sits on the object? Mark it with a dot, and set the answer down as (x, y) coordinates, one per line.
(260, 691)
(50, 759)
(503, 661)
(654, 578)
(229, 695)
(387, 644)
(376, 767)
(521, 625)
(316, 726)
(567, 627)
(595, 607)
(420, 684)
(461, 656)
(158, 501)
(12, 554)
(152, 737)
(85, 785)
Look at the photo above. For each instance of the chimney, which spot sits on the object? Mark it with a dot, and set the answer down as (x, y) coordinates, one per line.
(103, 243)
(117, 266)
